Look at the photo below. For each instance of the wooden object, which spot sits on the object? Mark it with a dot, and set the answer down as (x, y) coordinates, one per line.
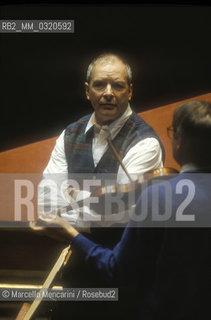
(27, 310)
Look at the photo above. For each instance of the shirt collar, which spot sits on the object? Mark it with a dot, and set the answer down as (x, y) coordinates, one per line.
(191, 167)
(112, 126)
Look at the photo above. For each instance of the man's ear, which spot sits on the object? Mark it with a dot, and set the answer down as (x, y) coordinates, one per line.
(176, 149)
(87, 90)
(178, 142)
(130, 91)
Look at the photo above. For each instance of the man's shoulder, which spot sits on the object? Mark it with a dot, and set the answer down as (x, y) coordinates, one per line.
(80, 122)
(140, 129)
(139, 121)
(178, 188)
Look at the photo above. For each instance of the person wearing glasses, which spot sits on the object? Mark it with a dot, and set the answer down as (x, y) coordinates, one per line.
(164, 255)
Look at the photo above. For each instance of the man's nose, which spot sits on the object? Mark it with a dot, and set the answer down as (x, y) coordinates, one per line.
(108, 91)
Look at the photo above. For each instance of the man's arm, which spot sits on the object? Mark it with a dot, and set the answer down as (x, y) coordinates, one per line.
(132, 258)
(144, 156)
(57, 162)
(51, 195)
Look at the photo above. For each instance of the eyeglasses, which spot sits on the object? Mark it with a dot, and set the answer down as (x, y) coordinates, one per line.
(170, 132)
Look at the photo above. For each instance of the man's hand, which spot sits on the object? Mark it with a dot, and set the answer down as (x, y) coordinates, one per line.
(56, 228)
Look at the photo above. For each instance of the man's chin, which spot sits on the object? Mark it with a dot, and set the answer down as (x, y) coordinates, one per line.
(106, 118)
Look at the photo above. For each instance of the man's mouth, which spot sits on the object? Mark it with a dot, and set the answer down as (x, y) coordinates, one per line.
(108, 106)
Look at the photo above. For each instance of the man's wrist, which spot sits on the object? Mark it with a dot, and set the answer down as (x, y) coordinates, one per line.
(72, 232)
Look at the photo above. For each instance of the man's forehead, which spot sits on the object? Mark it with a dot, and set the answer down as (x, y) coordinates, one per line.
(112, 67)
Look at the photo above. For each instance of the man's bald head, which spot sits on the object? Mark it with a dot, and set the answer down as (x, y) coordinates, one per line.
(108, 58)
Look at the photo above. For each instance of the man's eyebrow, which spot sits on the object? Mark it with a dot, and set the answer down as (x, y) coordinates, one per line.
(99, 82)
(112, 81)
(119, 81)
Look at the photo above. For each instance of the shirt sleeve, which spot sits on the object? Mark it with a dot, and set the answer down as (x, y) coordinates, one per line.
(54, 183)
(57, 162)
(53, 193)
(144, 156)
(103, 259)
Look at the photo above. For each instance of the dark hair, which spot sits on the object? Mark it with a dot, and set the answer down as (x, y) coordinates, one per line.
(192, 124)
(109, 57)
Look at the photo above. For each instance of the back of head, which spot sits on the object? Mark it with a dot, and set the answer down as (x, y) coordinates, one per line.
(192, 125)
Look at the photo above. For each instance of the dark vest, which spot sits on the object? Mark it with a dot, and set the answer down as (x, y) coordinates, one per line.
(78, 145)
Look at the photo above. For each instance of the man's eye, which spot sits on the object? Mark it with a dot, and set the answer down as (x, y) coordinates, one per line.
(99, 85)
(118, 86)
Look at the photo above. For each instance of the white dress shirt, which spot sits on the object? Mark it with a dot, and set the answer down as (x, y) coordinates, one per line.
(144, 156)
(192, 167)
